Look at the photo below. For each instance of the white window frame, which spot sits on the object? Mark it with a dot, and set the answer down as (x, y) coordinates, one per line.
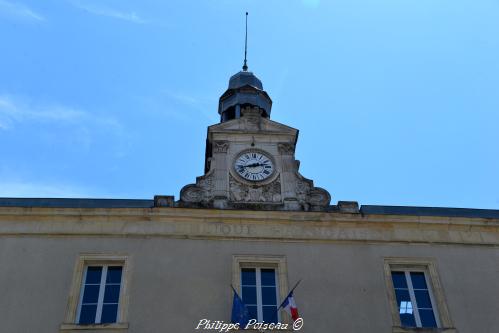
(429, 268)
(276, 262)
(259, 301)
(102, 287)
(412, 295)
(84, 260)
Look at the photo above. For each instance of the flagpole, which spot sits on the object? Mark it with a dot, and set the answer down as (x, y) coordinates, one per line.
(296, 285)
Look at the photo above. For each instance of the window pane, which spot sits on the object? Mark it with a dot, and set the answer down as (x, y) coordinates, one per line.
(112, 294)
(418, 280)
(268, 296)
(109, 312)
(406, 309)
(248, 276)
(270, 314)
(91, 294)
(93, 274)
(407, 320)
(114, 274)
(268, 277)
(402, 296)
(423, 299)
(253, 314)
(427, 318)
(398, 279)
(87, 314)
(249, 295)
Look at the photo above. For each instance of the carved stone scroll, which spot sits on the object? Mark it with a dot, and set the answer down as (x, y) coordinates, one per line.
(199, 192)
(192, 193)
(319, 197)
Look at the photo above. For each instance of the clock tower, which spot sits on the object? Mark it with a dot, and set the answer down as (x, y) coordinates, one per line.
(250, 160)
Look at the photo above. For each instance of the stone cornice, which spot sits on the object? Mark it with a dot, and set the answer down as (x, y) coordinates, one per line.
(241, 215)
(246, 225)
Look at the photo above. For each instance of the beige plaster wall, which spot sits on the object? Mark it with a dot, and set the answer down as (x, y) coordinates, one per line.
(175, 282)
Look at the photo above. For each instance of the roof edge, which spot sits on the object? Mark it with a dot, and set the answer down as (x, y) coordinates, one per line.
(429, 211)
(76, 203)
(149, 203)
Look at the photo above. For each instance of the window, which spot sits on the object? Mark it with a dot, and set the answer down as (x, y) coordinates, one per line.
(259, 292)
(414, 299)
(261, 281)
(98, 297)
(416, 296)
(100, 294)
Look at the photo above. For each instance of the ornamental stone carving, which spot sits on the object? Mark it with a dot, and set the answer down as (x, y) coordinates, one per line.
(220, 146)
(252, 117)
(310, 197)
(192, 193)
(286, 148)
(302, 189)
(199, 192)
(269, 193)
(319, 197)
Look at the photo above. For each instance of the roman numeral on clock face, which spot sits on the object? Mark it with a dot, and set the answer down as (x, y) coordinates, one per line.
(254, 166)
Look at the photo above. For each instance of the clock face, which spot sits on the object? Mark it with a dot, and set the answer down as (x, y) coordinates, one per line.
(254, 166)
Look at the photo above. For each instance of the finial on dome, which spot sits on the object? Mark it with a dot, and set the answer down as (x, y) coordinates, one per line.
(245, 66)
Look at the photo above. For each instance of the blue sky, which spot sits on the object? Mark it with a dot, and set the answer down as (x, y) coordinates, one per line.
(397, 102)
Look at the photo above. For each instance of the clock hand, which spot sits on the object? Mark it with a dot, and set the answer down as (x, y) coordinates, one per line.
(253, 165)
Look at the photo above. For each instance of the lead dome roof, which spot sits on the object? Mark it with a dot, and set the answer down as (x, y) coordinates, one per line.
(244, 78)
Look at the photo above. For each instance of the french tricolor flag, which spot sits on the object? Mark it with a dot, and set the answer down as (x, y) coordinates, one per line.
(290, 306)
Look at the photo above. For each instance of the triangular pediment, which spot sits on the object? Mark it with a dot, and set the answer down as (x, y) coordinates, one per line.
(250, 124)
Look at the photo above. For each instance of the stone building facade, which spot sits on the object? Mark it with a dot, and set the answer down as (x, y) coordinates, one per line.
(254, 222)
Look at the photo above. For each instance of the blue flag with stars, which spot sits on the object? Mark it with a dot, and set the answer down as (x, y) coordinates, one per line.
(240, 312)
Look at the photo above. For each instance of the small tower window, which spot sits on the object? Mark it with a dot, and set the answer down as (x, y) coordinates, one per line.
(229, 114)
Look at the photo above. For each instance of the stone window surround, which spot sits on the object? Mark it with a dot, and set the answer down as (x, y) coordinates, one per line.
(87, 259)
(427, 265)
(278, 262)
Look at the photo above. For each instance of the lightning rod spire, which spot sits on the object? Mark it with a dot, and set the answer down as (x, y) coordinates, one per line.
(245, 66)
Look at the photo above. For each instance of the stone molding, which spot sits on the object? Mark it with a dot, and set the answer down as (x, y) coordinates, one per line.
(249, 225)
(278, 262)
(105, 328)
(429, 267)
(82, 261)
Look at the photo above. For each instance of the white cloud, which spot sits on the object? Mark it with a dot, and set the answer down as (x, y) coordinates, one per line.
(78, 127)
(20, 11)
(101, 10)
(14, 109)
